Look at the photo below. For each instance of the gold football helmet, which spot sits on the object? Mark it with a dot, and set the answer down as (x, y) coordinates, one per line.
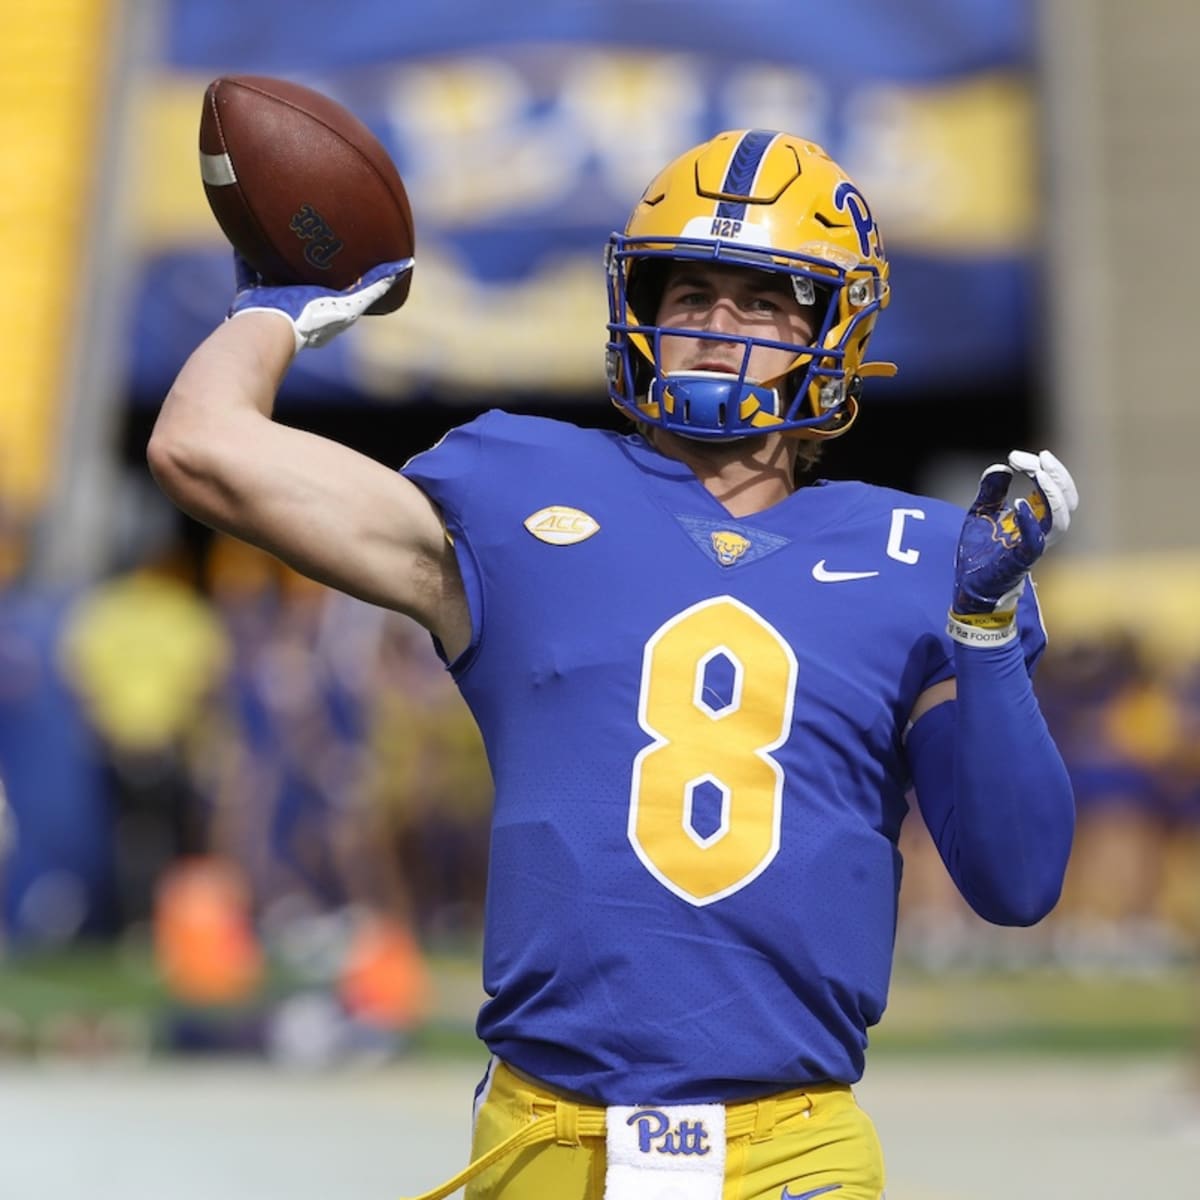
(766, 201)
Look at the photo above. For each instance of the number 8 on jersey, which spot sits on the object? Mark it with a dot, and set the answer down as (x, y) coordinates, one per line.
(722, 741)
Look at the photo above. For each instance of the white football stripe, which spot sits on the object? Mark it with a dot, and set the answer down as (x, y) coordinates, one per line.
(217, 169)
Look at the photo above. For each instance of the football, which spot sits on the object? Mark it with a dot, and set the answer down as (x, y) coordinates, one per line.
(302, 189)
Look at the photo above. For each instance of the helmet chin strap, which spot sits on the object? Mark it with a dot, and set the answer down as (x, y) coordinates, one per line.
(699, 403)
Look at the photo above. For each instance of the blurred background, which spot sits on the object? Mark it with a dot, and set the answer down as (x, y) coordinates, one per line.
(244, 820)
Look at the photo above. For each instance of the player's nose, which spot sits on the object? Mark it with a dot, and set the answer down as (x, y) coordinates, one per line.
(722, 317)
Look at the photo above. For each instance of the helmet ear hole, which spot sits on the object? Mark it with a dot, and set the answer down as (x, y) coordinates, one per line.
(643, 294)
(644, 291)
(821, 305)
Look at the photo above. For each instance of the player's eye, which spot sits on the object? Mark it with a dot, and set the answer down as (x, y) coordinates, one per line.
(762, 304)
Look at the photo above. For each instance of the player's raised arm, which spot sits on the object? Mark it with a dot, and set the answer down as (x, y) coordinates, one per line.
(991, 783)
(323, 234)
(334, 514)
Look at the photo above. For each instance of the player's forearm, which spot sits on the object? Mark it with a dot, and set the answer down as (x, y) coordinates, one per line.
(222, 396)
(239, 366)
(1003, 814)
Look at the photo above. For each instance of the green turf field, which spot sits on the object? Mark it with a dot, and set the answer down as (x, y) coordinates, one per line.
(982, 1086)
(1027, 1010)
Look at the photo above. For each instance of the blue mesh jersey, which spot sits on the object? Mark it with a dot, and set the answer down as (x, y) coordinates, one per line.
(695, 728)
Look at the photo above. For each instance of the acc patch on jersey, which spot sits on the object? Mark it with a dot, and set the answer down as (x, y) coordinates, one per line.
(559, 525)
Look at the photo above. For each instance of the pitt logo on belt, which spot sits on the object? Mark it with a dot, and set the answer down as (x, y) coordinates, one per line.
(729, 546)
(655, 1133)
(559, 525)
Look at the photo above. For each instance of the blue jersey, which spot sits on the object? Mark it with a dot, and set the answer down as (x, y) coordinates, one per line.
(695, 727)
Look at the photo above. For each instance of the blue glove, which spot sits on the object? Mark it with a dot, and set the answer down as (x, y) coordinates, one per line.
(317, 314)
(1000, 542)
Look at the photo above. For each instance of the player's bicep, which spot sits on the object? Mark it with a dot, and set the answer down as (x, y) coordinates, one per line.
(347, 520)
(334, 514)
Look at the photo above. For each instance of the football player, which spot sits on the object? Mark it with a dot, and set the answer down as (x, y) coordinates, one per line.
(706, 681)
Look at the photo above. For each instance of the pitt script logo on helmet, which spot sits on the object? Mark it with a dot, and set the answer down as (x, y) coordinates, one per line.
(773, 202)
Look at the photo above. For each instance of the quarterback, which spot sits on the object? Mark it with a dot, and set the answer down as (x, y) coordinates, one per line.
(707, 681)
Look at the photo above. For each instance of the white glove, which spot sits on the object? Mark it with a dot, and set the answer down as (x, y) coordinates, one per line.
(1054, 486)
(1000, 542)
(317, 314)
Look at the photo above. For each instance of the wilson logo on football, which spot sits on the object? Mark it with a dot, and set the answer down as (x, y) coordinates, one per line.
(561, 526)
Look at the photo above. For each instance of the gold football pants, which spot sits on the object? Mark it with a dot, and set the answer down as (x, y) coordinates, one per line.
(532, 1143)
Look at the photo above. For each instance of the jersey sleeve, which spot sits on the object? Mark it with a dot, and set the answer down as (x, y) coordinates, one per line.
(448, 473)
(1030, 626)
(1030, 631)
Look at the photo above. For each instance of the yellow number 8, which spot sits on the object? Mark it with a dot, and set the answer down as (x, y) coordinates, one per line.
(724, 742)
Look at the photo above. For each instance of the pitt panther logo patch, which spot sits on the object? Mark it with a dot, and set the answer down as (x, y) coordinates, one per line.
(559, 525)
(730, 543)
(729, 546)
(308, 225)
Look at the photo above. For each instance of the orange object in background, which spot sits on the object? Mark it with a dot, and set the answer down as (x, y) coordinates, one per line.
(203, 936)
(384, 981)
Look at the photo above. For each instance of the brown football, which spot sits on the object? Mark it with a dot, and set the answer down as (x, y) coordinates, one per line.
(302, 189)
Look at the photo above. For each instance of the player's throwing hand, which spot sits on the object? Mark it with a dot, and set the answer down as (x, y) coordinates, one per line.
(317, 314)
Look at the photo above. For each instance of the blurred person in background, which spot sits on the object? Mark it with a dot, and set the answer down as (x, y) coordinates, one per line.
(58, 856)
(431, 789)
(1182, 902)
(288, 761)
(292, 781)
(1117, 724)
(705, 679)
(148, 656)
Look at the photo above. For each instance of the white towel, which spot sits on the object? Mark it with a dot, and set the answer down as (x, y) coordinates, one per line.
(676, 1152)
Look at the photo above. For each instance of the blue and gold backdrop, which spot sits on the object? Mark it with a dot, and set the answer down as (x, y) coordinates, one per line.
(525, 130)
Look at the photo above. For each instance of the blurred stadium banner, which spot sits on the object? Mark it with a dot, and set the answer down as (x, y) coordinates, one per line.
(53, 71)
(1152, 596)
(526, 130)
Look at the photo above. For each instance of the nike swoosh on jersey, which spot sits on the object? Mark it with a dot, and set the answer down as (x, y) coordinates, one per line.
(788, 1194)
(822, 574)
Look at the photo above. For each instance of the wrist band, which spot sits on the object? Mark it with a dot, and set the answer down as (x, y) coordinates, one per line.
(982, 629)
